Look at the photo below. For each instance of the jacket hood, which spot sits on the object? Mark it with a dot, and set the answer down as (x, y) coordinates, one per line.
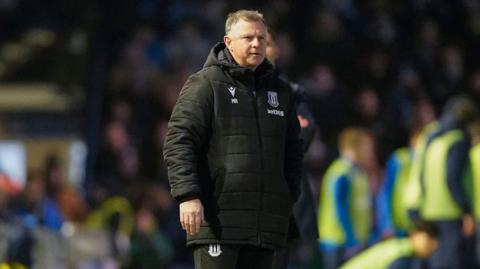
(220, 56)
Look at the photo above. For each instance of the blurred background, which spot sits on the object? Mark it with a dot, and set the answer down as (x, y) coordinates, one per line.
(87, 87)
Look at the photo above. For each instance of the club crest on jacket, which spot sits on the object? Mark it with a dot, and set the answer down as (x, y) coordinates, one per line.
(273, 99)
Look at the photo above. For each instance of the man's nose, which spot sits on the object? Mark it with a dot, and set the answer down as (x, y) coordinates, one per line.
(256, 42)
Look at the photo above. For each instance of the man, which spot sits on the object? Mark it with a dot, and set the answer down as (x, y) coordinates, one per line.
(345, 211)
(303, 223)
(392, 216)
(475, 170)
(233, 152)
(441, 196)
(398, 253)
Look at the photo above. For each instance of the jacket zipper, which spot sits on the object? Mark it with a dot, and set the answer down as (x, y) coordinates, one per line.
(257, 122)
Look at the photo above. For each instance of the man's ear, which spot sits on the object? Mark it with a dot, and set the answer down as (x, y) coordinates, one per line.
(227, 41)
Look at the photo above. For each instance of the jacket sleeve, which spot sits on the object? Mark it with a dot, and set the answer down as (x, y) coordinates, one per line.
(187, 137)
(293, 152)
(307, 132)
(457, 162)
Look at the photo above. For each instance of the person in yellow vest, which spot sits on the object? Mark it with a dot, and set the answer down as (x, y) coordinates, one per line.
(442, 167)
(398, 253)
(345, 210)
(475, 170)
(392, 213)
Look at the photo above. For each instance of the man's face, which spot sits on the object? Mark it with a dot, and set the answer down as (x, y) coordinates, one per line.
(366, 151)
(247, 42)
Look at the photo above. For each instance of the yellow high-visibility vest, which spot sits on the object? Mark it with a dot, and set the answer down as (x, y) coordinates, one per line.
(412, 197)
(437, 201)
(360, 209)
(475, 165)
(381, 255)
(399, 208)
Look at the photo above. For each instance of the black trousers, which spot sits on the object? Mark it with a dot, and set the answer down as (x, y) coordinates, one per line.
(216, 256)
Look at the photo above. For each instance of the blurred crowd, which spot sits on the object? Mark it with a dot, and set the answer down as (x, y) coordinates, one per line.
(387, 67)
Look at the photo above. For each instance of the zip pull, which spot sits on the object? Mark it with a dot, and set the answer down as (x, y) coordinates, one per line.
(254, 93)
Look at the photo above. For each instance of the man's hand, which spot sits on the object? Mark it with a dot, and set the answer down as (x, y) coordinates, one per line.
(191, 215)
(303, 122)
(468, 225)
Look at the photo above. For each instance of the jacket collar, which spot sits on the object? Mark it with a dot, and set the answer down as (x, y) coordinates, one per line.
(220, 56)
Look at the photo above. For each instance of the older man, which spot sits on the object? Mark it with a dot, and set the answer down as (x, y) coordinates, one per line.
(233, 152)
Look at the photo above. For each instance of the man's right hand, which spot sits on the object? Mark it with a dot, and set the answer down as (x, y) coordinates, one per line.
(468, 225)
(191, 215)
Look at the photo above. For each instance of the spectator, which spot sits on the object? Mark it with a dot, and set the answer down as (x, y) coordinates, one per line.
(34, 207)
(149, 247)
(117, 163)
(69, 201)
(330, 104)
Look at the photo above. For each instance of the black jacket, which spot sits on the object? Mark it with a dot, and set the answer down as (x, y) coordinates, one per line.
(233, 141)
